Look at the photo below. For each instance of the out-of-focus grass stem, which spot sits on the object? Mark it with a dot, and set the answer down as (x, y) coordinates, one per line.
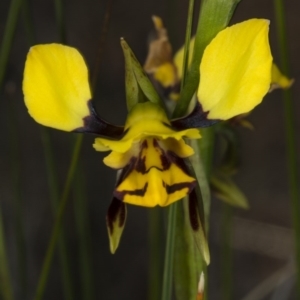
(59, 15)
(81, 214)
(155, 253)
(58, 221)
(289, 114)
(17, 197)
(5, 283)
(8, 35)
(54, 196)
(226, 252)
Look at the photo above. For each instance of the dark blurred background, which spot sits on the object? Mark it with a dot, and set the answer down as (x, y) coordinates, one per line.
(262, 235)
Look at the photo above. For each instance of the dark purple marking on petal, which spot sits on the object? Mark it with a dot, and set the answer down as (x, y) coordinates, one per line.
(165, 161)
(196, 119)
(95, 125)
(138, 192)
(116, 210)
(195, 214)
(193, 211)
(170, 189)
(179, 162)
(140, 164)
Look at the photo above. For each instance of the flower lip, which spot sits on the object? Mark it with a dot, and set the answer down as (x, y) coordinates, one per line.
(145, 120)
(154, 176)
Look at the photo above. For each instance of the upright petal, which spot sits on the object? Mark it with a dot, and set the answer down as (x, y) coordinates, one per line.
(56, 86)
(235, 72)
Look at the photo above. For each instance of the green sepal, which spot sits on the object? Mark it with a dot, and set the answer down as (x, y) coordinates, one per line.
(115, 221)
(226, 190)
(197, 223)
(138, 86)
(197, 216)
(199, 165)
(214, 16)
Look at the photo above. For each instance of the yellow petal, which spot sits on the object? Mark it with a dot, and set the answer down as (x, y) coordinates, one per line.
(235, 72)
(118, 160)
(56, 86)
(279, 80)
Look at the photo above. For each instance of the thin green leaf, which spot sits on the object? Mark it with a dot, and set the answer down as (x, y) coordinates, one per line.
(58, 221)
(137, 79)
(169, 253)
(290, 132)
(5, 282)
(186, 271)
(84, 239)
(227, 253)
(214, 16)
(15, 169)
(8, 35)
(197, 214)
(199, 168)
(156, 237)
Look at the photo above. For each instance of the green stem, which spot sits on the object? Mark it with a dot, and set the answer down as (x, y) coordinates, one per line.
(58, 222)
(290, 122)
(54, 196)
(59, 15)
(17, 199)
(103, 35)
(5, 283)
(169, 256)
(81, 214)
(155, 253)
(8, 35)
(226, 252)
(187, 42)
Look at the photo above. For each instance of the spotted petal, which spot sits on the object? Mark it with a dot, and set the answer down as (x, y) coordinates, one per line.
(235, 71)
(56, 86)
(155, 177)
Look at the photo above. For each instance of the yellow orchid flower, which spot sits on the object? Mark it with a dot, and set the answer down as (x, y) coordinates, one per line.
(150, 149)
(151, 155)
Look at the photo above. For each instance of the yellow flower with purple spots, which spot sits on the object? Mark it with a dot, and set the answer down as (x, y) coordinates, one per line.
(150, 151)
